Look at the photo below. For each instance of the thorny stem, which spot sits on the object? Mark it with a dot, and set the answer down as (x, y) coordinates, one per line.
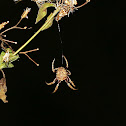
(41, 29)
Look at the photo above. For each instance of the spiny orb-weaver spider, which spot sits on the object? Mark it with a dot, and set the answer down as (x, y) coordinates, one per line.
(61, 75)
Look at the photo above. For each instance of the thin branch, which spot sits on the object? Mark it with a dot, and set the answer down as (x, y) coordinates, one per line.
(3, 73)
(41, 29)
(29, 51)
(25, 53)
(13, 27)
(83, 4)
(5, 47)
(31, 59)
(18, 22)
(9, 41)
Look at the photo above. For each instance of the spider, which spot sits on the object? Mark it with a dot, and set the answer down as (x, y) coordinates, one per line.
(61, 75)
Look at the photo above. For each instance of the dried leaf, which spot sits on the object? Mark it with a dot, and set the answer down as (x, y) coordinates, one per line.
(3, 90)
(43, 11)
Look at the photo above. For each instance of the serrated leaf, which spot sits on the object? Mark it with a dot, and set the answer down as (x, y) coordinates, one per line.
(50, 22)
(10, 65)
(43, 11)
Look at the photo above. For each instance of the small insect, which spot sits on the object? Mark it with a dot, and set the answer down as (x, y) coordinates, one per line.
(61, 75)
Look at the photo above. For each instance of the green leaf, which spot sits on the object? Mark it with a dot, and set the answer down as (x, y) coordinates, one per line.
(13, 57)
(2, 65)
(1, 59)
(10, 65)
(50, 22)
(2, 53)
(41, 14)
(8, 49)
(43, 11)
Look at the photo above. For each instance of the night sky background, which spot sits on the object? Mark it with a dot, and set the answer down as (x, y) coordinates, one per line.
(94, 43)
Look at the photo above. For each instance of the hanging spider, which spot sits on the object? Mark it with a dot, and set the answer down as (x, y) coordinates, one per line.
(61, 75)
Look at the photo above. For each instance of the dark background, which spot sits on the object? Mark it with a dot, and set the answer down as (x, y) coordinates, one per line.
(94, 43)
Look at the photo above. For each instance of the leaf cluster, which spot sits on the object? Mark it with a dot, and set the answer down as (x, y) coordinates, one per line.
(11, 58)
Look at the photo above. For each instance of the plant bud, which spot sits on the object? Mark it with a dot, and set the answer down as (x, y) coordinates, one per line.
(3, 24)
(25, 13)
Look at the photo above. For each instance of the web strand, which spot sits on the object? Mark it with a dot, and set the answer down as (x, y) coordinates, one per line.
(60, 41)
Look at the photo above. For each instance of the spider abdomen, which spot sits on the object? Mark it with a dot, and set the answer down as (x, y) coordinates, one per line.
(61, 74)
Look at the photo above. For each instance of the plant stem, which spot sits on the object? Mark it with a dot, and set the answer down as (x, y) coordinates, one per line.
(41, 29)
(15, 26)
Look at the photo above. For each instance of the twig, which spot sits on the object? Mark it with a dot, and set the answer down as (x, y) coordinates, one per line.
(3, 73)
(83, 4)
(25, 53)
(9, 41)
(41, 29)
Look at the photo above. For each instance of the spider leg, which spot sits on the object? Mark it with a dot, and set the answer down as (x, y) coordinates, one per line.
(69, 73)
(53, 69)
(70, 85)
(56, 87)
(71, 82)
(66, 61)
(52, 82)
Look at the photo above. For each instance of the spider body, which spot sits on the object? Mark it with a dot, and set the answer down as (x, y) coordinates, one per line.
(62, 74)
